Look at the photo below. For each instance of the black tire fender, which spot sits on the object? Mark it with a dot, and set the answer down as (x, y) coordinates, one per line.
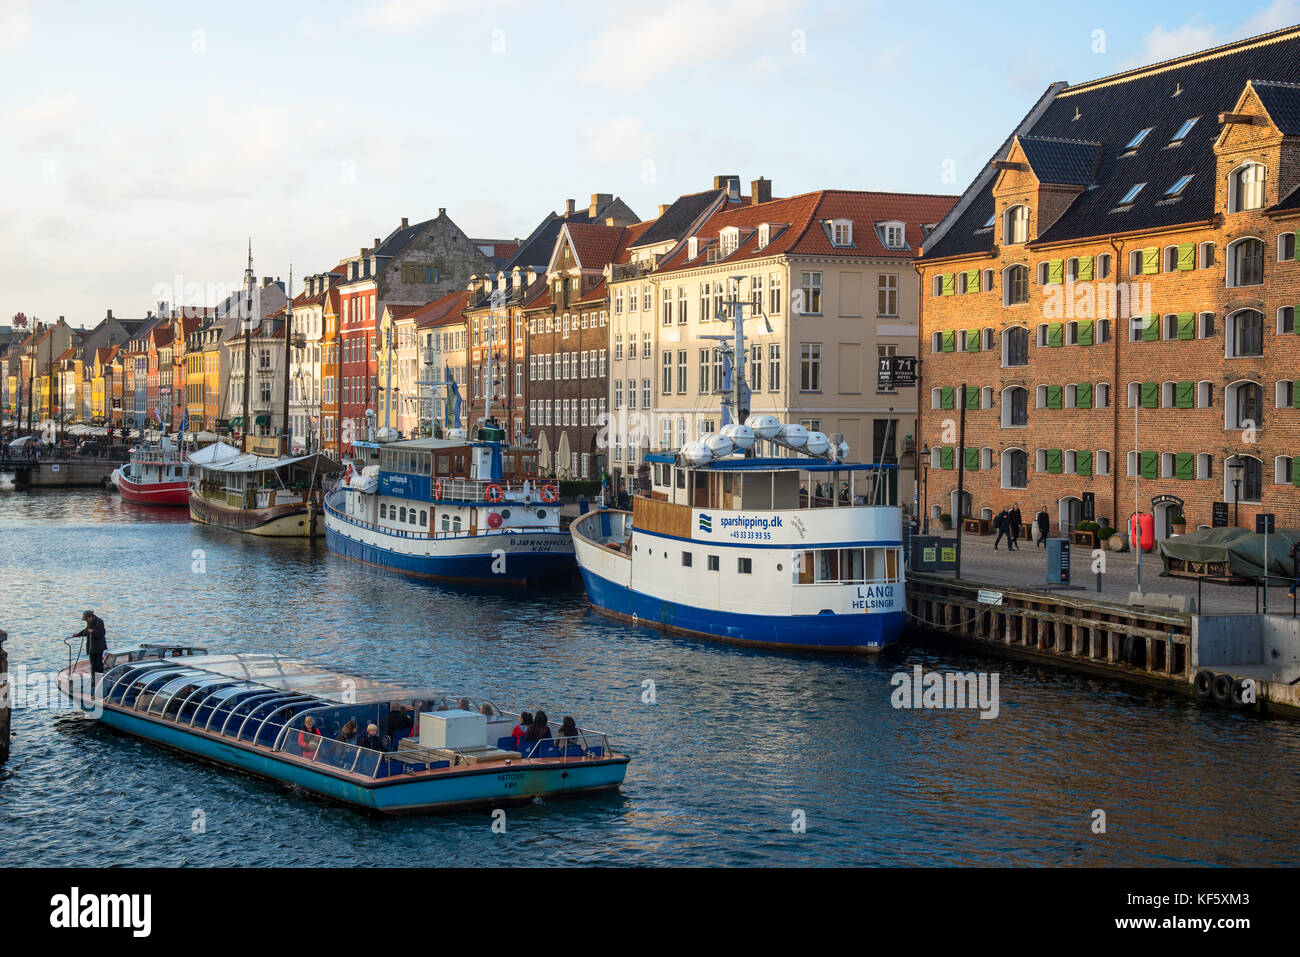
(1203, 683)
(1221, 689)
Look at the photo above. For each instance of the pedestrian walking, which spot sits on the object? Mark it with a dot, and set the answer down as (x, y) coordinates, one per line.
(1044, 526)
(1295, 568)
(1002, 525)
(1016, 522)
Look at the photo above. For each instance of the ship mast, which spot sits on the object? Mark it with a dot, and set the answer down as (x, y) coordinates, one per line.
(288, 344)
(245, 313)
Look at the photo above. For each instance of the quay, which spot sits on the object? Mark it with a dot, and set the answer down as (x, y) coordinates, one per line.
(63, 472)
(4, 699)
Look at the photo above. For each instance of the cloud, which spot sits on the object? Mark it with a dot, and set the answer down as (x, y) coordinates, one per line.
(640, 44)
(1165, 43)
(406, 16)
(620, 139)
(49, 121)
(15, 23)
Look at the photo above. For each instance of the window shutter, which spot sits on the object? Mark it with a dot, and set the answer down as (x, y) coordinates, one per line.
(1055, 336)
(949, 284)
(1085, 332)
(949, 342)
(1054, 396)
(1295, 470)
(972, 397)
(972, 340)
(1054, 460)
(945, 457)
(1186, 256)
(1295, 394)
(1184, 466)
(1083, 395)
(946, 397)
(1151, 331)
(1295, 310)
(1085, 268)
(1150, 261)
(1185, 395)
(1150, 395)
(972, 460)
(1056, 271)
(972, 280)
(1150, 464)
(1187, 325)
(1082, 463)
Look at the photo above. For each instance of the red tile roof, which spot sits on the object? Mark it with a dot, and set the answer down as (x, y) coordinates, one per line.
(594, 246)
(444, 311)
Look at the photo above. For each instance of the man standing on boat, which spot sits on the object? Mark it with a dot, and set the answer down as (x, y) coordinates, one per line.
(96, 644)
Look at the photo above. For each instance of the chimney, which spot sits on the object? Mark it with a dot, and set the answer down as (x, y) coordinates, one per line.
(110, 314)
(376, 242)
(405, 224)
(442, 211)
(363, 252)
(568, 208)
(721, 182)
(760, 191)
(598, 202)
(663, 208)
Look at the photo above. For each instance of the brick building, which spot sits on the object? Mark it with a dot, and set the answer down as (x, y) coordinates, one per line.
(1117, 291)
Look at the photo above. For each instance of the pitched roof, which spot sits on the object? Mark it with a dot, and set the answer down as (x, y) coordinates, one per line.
(673, 223)
(443, 311)
(1061, 162)
(1112, 111)
(1282, 103)
(594, 246)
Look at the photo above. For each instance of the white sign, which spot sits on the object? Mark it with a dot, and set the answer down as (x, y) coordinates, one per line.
(987, 597)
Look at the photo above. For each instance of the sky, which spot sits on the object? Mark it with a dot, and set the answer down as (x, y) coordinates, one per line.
(143, 144)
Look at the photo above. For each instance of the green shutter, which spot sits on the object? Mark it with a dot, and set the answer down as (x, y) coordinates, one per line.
(1186, 256)
(948, 342)
(1083, 395)
(1185, 395)
(1085, 268)
(1295, 310)
(1150, 464)
(946, 400)
(972, 340)
(1295, 394)
(1085, 332)
(1054, 396)
(945, 457)
(1184, 466)
(1056, 272)
(1151, 330)
(1055, 459)
(1150, 395)
(972, 397)
(1150, 261)
(1187, 325)
(949, 286)
(972, 460)
(1082, 463)
(972, 280)
(1055, 335)
(1295, 470)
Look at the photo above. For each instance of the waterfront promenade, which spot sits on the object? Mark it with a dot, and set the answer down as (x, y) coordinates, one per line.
(1026, 568)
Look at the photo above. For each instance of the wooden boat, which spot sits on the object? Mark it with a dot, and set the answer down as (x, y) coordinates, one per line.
(250, 712)
(155, 475)
(257, 494)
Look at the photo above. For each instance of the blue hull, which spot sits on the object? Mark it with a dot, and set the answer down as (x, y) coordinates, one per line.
(866, 633)
(517, 784)
(521, 568)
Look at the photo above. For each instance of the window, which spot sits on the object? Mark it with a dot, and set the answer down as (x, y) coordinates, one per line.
(1204, 465)
(1286, 320)
(842, 232)
(687, 558)
(1184, 130)
(1015, 469)
(1132, 194)
(681, 371)
(1286, 247)
(645, 394)
(810, 367)
(1204, 394)
(713, 563)
(1015, 282)
(1015, 407)
(1015, 346)
(1101, 462)
(774, 367)
(1246, 263)
(774, 293)
(667, 376)
(1180, 184)
(1101, 396)
(1207, 256)
(1136, 141)
(887, 294)
(745, 566)
(1246, 188)
(1246, 333)
(810, 285)
(1243, 405)
(1015, 225)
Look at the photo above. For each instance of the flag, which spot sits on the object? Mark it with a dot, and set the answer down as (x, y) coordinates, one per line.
(185, 422)
(453, 391)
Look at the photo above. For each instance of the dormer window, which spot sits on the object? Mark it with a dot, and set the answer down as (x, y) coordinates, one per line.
(1246, 188)
(692, 247)
(729, 240)
(1184, 130)
(764, 234)
(1136, 141)
(1015, 225)
(892, 234)
(842, 232)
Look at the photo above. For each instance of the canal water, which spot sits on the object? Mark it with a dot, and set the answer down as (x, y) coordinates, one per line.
(735, 750)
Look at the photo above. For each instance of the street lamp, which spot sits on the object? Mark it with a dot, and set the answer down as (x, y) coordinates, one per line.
(1234, 466)
(925, 489)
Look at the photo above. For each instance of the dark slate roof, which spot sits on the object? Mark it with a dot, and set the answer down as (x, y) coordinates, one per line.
(1282, 101)
(677, 218)
(1112, 110)
(1061, 162)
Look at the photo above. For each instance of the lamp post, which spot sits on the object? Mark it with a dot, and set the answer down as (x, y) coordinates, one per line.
(1234, 466)
(925, 490)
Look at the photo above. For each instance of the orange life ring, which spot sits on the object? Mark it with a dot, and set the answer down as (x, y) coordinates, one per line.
(550, 493)
(437, 490)
(494, 493)
(347, 476)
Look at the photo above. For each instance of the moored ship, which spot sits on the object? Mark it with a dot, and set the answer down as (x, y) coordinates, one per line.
(155, 475)
(275, 497)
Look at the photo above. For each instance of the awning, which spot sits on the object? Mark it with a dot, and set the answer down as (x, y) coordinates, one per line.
(262, 420)
(236, 422)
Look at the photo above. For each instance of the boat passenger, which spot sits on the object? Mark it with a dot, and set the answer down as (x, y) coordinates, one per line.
(463, 704)
(349, 733)
(309, 737)
(520, 731)
(399, 723)
(486, 709)
(569, 729)
(371, 739)
(539, 730)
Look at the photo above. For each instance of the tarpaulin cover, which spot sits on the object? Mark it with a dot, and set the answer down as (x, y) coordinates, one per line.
(1243, 550)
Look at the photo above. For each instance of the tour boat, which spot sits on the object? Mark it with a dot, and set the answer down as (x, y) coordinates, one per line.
(752, 549)
(155, 475)
(250, 712)
(275, 497)
(450, 509)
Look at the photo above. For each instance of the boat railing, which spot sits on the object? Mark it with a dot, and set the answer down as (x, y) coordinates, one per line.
(583, 746)
(476, 490)
(437, 534)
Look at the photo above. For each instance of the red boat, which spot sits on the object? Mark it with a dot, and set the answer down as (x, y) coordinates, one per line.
(159, 475)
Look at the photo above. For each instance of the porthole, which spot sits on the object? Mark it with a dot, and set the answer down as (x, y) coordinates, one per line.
(505, 513)
(778, 566)
(541, 513)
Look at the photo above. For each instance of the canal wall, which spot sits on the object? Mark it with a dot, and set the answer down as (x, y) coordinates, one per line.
(1075, 630)
(4, 700)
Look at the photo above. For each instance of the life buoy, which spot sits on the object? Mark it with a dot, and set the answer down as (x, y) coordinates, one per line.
(437, 490)
(1203, 682)
(550, 493)
(494, 519)
(494, 493)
